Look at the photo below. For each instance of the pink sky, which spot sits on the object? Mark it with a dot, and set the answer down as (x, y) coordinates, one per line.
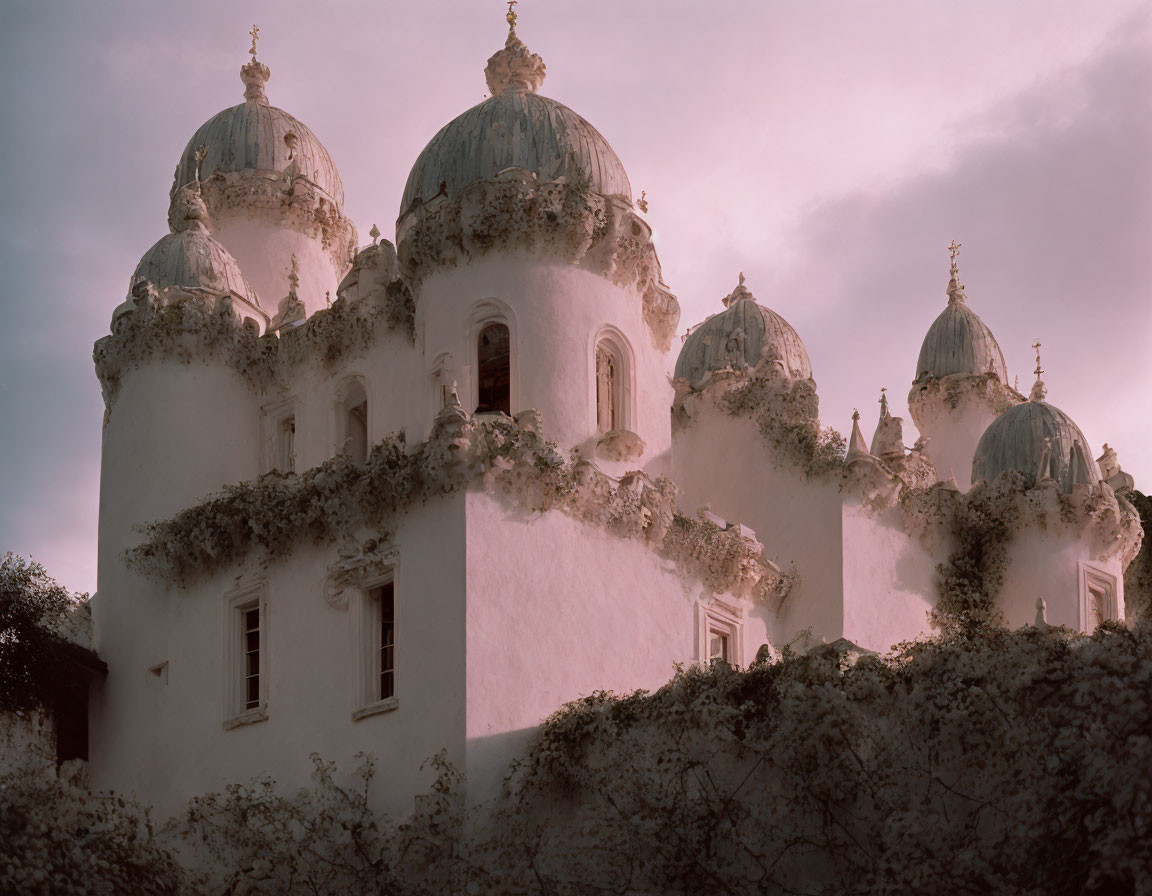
(830, 150)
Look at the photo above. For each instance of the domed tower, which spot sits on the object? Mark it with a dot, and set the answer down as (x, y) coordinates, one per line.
(961, 384)
(536, 282)
(272, 192)
(1070, 535)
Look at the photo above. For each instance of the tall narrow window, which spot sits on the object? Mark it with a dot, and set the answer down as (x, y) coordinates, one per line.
(286, 462)
(353, 423)
(246, 655)
(1099, 597)
(386, 599)
(718, 646)
(494, 370)
(607, 389)
(251, 657)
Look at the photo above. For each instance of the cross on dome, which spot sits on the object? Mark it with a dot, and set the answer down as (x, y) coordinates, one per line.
(255, 74)
(955, 287)
(1039, 390)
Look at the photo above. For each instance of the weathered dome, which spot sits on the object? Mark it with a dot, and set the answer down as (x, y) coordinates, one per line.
(257, 136)
(1038, 440)
(190, 258)
(515, 128)
(959, 342)
(738, 338)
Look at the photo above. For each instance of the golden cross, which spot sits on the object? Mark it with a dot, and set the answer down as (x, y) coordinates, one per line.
(255, 32)
(1036, 345)
(954, 250)
(511, 17)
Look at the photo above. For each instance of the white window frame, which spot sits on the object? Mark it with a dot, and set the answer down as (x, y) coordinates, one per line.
(275, 415)
(367, 647)
(339, 414)
(236, 604)
(1092, 577)
(617, 344)
(483, 313)
(726, 619)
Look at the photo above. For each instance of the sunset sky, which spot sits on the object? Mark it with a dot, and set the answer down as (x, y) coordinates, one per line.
(830, 149)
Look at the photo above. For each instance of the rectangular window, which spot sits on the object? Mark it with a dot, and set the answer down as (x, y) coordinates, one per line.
(385, 598)
(1099, 597)
(246, 657)
(377, 648)
(251, 658)
(287, 447)
(718, 646)
(719, 632)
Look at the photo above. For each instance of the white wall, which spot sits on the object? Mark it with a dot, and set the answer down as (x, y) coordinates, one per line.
(723, 462)
(264, 251)
(952, 433)
(1045, 562)
(890, 581)
(556, 311)
(163, 737)
(556, 610)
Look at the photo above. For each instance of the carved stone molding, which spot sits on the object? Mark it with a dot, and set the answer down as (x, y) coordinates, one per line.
(515, 212)
(357, 564)
(287, 199)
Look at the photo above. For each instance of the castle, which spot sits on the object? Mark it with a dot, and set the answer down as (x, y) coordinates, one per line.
(412, 496)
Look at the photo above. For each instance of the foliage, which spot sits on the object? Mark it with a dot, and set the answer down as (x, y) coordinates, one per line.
(59, 839)
(982, 762)
(324, 839)
(339, 498)
(34, 613)
(786, 411)
(1138, 575)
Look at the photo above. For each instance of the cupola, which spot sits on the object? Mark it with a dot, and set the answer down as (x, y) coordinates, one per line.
(738, 339)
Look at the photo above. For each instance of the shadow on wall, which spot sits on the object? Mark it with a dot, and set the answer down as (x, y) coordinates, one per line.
(489, 758)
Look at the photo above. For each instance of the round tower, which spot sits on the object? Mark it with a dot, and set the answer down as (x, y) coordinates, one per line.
(1071, 536)
(273, 195)
(536, 282)
(961, 384)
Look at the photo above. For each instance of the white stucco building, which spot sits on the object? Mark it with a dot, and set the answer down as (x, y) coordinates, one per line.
(561, 515)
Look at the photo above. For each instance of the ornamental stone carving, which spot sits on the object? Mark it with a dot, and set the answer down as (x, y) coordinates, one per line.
(559, 219)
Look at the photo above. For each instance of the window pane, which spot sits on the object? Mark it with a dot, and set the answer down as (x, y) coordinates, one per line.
(253, 692)
(494, 370)
(386, 685)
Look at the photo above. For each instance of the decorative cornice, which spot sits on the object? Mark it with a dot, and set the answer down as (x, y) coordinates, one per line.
(568, 222)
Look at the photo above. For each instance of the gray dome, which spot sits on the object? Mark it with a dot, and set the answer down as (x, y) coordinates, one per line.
(256, 136)
(1018, 438)
(959, 342)
(514, 129)
(192, 259)
(736, 338)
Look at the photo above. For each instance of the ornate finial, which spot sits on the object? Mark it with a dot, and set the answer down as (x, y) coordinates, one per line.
(884, 403)
(855, 415)
(1039, 390)
(374, 233)
(740, 292)
(642, 202)
(255, 74)
(201, 151)
(514, 68)
(955, 287)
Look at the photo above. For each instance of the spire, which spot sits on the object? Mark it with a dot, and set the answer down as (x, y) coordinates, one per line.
(515, 68)
(1039, 390)
(955, 287)
(857, 447)
(739, 293)
(255, 74)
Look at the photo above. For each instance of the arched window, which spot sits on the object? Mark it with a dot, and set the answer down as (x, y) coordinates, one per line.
(612, 391)
(352, 422)
(493, 370)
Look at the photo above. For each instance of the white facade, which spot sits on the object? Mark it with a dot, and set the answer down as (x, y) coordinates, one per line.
(456, 605)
